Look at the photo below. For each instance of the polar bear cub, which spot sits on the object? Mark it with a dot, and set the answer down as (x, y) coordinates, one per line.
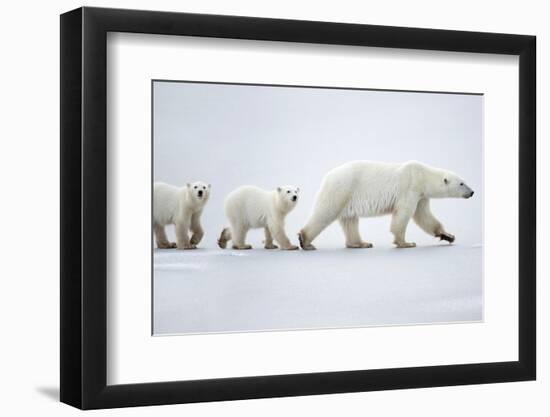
(250, 207)
(181, 207)
(367, 188)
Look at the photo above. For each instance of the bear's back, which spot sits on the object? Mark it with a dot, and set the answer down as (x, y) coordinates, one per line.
(247, 202)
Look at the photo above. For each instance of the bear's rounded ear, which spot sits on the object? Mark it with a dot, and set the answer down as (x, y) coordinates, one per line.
(209, 185)
(188, 185)
(445, 180)
(279, 189)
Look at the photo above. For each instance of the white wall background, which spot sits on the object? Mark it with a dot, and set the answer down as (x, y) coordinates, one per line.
(30, 174)
(233, 135)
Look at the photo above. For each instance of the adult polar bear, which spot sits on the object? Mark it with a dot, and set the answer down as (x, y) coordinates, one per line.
(367, 189)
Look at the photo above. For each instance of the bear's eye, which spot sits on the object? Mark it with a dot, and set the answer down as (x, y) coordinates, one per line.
(288, 192)
(204, 188)
(461, 183)
(195, 187)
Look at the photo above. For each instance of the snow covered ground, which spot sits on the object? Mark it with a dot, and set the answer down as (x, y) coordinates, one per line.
(213, 290)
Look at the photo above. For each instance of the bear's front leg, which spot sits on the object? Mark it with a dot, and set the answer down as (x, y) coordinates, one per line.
(278, 233)
(400, 219)
(427, 221)
(196, 228)
(182, 233)
(442, 235)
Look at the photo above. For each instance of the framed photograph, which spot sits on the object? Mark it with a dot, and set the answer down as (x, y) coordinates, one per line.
(257, 208)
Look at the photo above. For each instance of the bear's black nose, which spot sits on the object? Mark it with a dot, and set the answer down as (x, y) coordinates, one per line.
(471, 194)
(200, 193)
(294, 198)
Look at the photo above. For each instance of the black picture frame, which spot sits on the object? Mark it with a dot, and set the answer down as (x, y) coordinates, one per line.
(84, 207)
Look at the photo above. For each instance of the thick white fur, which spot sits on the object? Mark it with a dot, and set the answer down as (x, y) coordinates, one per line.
(367, 189)
(181, 207)
(250, 207)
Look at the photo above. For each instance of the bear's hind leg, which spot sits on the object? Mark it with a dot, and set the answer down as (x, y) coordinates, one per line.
(238, 236)
(268, 243)
(350, 226)
(323, 216)
(161, 238)
(225, 236)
